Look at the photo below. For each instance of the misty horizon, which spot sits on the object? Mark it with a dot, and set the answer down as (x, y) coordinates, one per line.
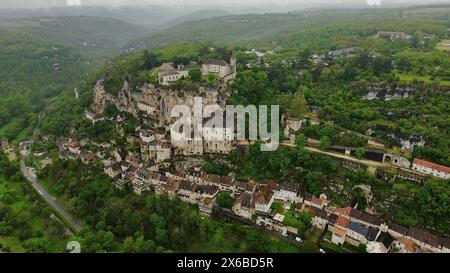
(217, 4)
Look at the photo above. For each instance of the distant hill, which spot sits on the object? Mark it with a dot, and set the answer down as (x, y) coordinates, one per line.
(321, 30)
(198, 15)
(32, 71)
(93, 36)
(150, 17)
(29, 63)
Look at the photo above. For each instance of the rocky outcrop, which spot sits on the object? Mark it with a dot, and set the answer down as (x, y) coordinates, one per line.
(171, 99)
(160, 99)
(125, 102)
(101, 97)
(157, 101)
(391, 91)
(408, 142)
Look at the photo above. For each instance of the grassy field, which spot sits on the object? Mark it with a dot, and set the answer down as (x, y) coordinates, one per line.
(426, 79)
(444, 45)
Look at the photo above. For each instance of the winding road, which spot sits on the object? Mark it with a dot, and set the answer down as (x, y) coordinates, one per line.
(73, 222)
(68, 218)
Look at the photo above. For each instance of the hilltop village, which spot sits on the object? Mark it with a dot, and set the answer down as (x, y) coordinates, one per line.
(266, 204)
(150, 161)
(163, 129)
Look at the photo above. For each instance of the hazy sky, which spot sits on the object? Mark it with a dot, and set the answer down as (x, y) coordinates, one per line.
(204, 3)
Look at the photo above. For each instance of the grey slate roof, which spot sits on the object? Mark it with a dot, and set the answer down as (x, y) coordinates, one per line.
(215, 62)
(358, 228)
(386, 239)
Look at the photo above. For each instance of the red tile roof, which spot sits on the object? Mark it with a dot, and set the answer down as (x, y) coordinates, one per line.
(172, 185)
(424, 236)
(339, 231)
(343, 211)
(74, 144)
(317, 201)
(343, 221)
(431, 165)
(89, 156)
(250, 186)
(409, 245)
(270, 184)
(132, 159)
(264, 195)
(312, 211)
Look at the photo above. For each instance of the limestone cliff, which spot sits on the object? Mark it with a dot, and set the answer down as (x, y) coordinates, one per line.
(101, 97)
(390, 91)
(125, 102)
(153, 103)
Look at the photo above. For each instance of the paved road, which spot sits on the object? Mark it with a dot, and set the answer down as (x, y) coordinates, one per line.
(366, 162)
(49, 198)
(369, 163)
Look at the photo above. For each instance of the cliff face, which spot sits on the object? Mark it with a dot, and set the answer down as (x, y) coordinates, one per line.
(125, 102)
(101, 97)
(161, 99)
(187, 98)
(390, 91)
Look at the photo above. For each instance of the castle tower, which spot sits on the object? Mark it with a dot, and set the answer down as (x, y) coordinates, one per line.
(233, 65)
(233, 62)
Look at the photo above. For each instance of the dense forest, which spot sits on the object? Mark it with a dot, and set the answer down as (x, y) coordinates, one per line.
(95, 37)
(321, 30)
(32, 71)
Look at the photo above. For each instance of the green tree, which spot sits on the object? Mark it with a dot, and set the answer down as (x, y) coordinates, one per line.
(360, 151)
(381, 65)
(349, 73)
(362, 248)
(216, 168)
(304, 60)
(111, 111)
(403, 62)
(325, 142)
(301, 140)
(128, 244)
(253, 87)
(150, 60)
(306, 218)
(294, 104)
(224, 200)
(417, 39)
(195, 74)
(363, 59)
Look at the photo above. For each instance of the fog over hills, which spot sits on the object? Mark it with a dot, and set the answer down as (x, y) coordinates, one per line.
(155, 14)
(247, 6)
